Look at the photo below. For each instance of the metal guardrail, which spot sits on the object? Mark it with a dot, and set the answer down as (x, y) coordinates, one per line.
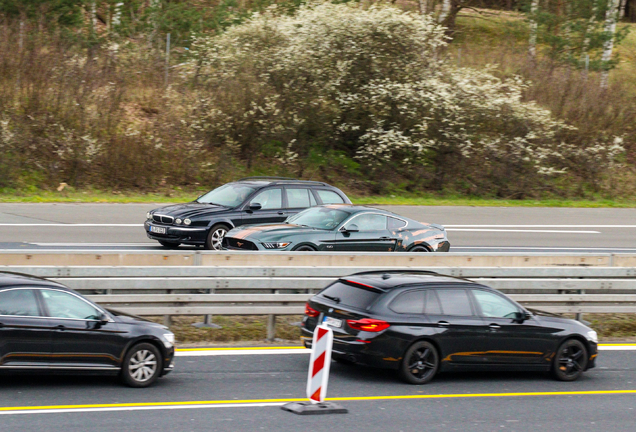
(283, 290)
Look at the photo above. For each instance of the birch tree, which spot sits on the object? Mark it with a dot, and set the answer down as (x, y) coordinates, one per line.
(611, 17)
(534, 25)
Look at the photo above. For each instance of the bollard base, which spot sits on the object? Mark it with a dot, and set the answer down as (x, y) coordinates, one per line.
(308, 408)
(206, 325)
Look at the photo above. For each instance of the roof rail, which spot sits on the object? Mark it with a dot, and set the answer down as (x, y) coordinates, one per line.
(394, 271)
(283, 179)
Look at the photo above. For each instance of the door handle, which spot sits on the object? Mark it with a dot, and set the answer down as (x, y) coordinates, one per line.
(60, 327)
(443, 324)
(494, 326)
(281, 213)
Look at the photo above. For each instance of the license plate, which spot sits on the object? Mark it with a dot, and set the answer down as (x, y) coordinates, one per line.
(333, 322)
(158, 230)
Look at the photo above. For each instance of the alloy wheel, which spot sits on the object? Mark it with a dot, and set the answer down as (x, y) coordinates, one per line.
(216, 239)
(569, 358)
(142, 366)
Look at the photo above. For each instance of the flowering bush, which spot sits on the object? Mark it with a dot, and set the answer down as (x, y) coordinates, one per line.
(371, 83)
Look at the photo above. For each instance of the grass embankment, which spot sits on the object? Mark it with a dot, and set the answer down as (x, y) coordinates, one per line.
(180, 195)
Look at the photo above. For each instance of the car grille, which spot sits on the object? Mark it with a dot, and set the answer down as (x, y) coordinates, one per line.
(163, 219)
(233, 243)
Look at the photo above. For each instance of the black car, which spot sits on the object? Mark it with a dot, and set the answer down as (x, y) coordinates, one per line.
(252, 200)
(341, 227)
(47, 327)
(420, 323)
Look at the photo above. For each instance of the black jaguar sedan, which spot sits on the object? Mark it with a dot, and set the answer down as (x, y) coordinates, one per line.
(341, 227)
(47, 327)
(420, 323)
(252, 200)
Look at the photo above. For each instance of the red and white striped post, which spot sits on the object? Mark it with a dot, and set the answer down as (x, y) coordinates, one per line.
(318, 377)
(319, 364)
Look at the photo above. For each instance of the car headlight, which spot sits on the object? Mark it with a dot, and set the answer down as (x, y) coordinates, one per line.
(276, 245)
(592, 336)
(168, 340)
(187, 221)
(178, 221)
(148, 215)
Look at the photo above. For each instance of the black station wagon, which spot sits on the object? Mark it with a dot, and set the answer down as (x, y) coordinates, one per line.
(419, 323)
(252, 200)
(47, 327)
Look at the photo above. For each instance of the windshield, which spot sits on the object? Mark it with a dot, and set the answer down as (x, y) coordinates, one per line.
(229, 195)
(319, 217)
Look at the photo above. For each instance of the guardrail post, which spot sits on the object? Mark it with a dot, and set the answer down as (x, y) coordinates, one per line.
(167, 320)
(579, 316)
(271, 327)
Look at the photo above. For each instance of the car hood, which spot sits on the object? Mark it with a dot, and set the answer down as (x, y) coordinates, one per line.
(189, 210)
(271, 232)
(549, 318)
(127, 318)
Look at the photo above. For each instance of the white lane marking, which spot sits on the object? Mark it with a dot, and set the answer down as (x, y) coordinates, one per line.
(143, 408)
(213, 352)
(540, 226)
(95, 244)
(68, 225)
(205, 353)
(522, 231)
(542, 248)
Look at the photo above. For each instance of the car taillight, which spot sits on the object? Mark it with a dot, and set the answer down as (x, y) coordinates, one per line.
(368, 324)
(309, 311)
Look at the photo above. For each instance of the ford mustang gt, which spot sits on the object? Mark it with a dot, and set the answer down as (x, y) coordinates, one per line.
(341, 228)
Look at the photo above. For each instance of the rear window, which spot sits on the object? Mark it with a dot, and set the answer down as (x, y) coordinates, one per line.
(329, 197)
(350, 295)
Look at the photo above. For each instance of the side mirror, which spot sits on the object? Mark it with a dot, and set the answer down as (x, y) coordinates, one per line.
(522, 316)
(255, 206)
(103, 319)
(351, 228)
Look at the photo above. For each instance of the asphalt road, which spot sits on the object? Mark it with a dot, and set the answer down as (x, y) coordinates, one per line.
(470, 229)
(227, 393)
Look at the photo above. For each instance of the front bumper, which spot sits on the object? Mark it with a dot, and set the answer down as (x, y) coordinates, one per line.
(184, 235)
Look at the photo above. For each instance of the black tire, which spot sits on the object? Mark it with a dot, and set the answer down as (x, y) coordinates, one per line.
(420, 363)
(169, 245)
(418, 249)
(570, 360)
(215, 237)
(305, 248)
(133, 373)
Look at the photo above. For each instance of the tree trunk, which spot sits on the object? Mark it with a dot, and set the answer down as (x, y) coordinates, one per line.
(591, 23)
(532, 42)
(611, 17)
(621, 10)
(117, 14)
(423, 6)
(446, 7)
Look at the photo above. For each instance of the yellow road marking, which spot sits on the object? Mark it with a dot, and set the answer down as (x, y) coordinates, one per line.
(351, 398)
(617, 344)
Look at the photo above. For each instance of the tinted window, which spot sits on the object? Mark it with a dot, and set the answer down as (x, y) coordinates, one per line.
(329, 197)
(319, 217)
(411, 302)
(369, 222)
(229, 195)
(493, 305)
(64, 305)
(18, 302)
(298, 198)
(454, 302)
(269, 199)
(348, 295)
(432, 304)
(396, 223)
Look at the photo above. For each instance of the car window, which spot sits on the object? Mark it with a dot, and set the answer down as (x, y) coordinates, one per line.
(298, 198)
(454, 302)
(410, 302)
(493, 305)
(395, 223)
(350, 295)
(319, 217)
(270, 199)
(432, 304)
(369, 222)
(18, 302)
(65, 305)
(329, 197)
(229, 195)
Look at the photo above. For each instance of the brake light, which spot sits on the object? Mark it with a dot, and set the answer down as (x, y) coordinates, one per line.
(309, 311)
(368, 324)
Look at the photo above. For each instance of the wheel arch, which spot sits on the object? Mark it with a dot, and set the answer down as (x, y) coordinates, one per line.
(428, 339)
(311, 245)
(423, 244)
(150, 340)
(579, 338)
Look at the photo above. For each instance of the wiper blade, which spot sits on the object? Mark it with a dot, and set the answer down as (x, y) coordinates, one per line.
(336, 299)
